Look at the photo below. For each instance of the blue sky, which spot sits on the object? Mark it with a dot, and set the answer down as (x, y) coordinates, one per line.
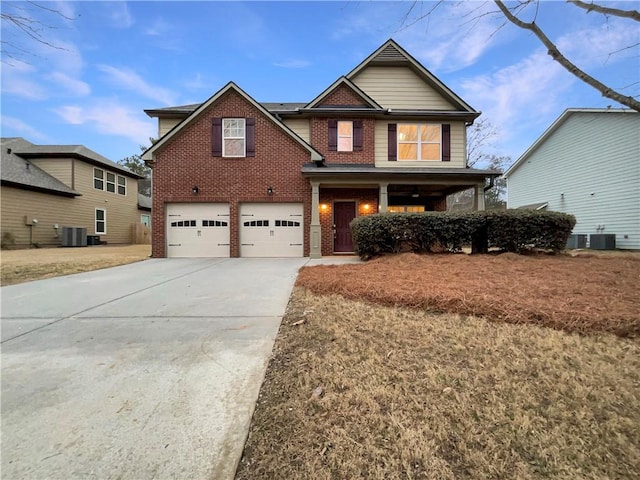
(118, 58)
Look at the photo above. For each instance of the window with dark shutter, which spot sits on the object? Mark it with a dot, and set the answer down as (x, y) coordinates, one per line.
(333, 135)
(251, 137)
(216, 137)
(392, 143)
(446, 142)
(357, 135)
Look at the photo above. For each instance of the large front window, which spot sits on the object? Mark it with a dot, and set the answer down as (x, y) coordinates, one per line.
(233, 137)
(419, 142)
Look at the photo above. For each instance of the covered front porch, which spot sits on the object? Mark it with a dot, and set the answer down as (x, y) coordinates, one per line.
(341, 193)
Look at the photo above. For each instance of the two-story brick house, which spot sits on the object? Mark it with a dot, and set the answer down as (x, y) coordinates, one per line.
(234, 177)
(47, 187)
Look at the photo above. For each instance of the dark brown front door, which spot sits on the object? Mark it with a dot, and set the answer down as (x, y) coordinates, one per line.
(343, 213)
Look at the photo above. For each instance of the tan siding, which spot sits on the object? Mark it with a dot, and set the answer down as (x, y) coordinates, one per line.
(383, 85)
(166, 124)
(458, 148)
(299, 126)
(60, 168)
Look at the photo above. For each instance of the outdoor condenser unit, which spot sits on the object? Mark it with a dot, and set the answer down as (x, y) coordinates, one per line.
(602, 241)
(74, 237)
(577, 241)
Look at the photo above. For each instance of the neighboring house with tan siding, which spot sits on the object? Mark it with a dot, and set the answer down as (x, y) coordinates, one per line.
(586, 163)
(64, 186)
(235, 177)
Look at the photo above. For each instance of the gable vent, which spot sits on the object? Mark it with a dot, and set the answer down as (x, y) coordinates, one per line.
(390, 54)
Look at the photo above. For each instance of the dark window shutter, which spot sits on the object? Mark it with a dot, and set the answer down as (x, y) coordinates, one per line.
(250, 125)
(333, 135)
(357, 135)
(393, 144)
(216, 137)
(446, 142)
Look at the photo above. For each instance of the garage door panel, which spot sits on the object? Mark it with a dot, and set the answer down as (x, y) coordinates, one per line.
(198, 230)
(271, 230)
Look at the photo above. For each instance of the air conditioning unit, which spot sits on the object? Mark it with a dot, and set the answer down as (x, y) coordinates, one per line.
(74, 237)
(602, 241)
(577, 241)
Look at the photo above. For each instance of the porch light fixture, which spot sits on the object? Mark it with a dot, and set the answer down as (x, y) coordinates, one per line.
(415, 193)
(269, 190)
(195, 189)
(324, 207)
(366, 206)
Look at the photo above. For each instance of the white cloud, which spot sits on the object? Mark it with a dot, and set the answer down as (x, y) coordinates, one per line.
(109, 118)
(293, 63)
(159, 27)
(21, 128)
(130, 80)
(71, 85)
(119, 14)
(16, 81)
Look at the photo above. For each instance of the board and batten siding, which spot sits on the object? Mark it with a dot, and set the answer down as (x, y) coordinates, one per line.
(50, 210)
(589, 167)
(458, 147)
(60, 168)
(382, 84)
(300, 126)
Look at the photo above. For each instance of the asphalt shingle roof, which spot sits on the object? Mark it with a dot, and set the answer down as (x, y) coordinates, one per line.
(18, 171)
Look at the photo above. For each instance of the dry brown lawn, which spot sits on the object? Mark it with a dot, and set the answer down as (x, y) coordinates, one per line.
(20, 266)
(358, 389)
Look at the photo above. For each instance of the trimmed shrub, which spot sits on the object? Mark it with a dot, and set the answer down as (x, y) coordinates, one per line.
(508, 230)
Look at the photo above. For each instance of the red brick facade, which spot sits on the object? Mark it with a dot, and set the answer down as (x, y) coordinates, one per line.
(320, 141)
(186, 161)
(343, 96)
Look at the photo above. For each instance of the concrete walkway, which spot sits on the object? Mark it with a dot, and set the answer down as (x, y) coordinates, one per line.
(144, 371)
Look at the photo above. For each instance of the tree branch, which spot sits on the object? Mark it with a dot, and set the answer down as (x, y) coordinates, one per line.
(594, 7)
(553, 51)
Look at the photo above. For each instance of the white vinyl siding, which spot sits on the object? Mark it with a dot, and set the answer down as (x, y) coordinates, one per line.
(589, 167)
(300, 127)
(458, 148)
(382, 84)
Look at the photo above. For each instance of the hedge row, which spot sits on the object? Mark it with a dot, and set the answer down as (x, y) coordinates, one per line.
(507, 230)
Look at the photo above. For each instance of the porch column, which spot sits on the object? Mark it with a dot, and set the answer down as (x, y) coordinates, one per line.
(478, 197)
(315, 234)
(384, 197)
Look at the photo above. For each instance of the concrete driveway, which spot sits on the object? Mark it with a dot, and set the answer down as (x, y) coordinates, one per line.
(148, 370)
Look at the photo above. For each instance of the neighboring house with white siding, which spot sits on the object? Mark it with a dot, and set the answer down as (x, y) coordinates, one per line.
(48, 187)
(587, 163)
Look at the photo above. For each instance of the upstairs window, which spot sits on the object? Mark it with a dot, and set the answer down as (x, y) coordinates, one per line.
(111, 182)
(419, 142)
(98, 179)
(122, 185)
(233, 139)
(345, 136)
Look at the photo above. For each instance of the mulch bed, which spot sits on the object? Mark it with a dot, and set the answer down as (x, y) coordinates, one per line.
(583, 294)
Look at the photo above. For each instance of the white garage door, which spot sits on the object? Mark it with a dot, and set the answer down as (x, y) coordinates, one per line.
(271, 230)
(197, 229)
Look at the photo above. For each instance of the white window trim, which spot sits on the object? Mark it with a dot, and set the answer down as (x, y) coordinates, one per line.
(103, 179)
(243, 138)
(107, 182)
(419, 142)
(95, 225)
(118, 177)
(338, 136)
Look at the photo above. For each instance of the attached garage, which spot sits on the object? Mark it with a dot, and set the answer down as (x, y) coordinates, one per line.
(197, 230)
(271, 230)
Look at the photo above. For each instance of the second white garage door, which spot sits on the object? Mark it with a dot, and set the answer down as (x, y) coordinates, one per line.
(197, 229)
(271, 230)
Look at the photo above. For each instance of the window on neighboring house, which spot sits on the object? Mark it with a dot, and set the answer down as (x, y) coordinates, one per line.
(98, 179)
(345, 136)
(405, 208)
(233, 137)
(122, 185)
(419, 142)
(101, 221)
(111, 182)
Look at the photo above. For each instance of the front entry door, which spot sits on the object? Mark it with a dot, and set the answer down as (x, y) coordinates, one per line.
(343, 213)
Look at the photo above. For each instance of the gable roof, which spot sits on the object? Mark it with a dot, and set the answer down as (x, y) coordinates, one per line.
(148, 154)
(20, 173)
(392, 54)
(349, 84)
(29, 150)
(555, 125)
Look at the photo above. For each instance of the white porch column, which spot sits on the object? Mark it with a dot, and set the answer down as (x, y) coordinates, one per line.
(384, 198)
(478, 197)
(315, 233)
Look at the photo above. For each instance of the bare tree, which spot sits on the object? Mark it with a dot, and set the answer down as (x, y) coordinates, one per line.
(20, 27)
